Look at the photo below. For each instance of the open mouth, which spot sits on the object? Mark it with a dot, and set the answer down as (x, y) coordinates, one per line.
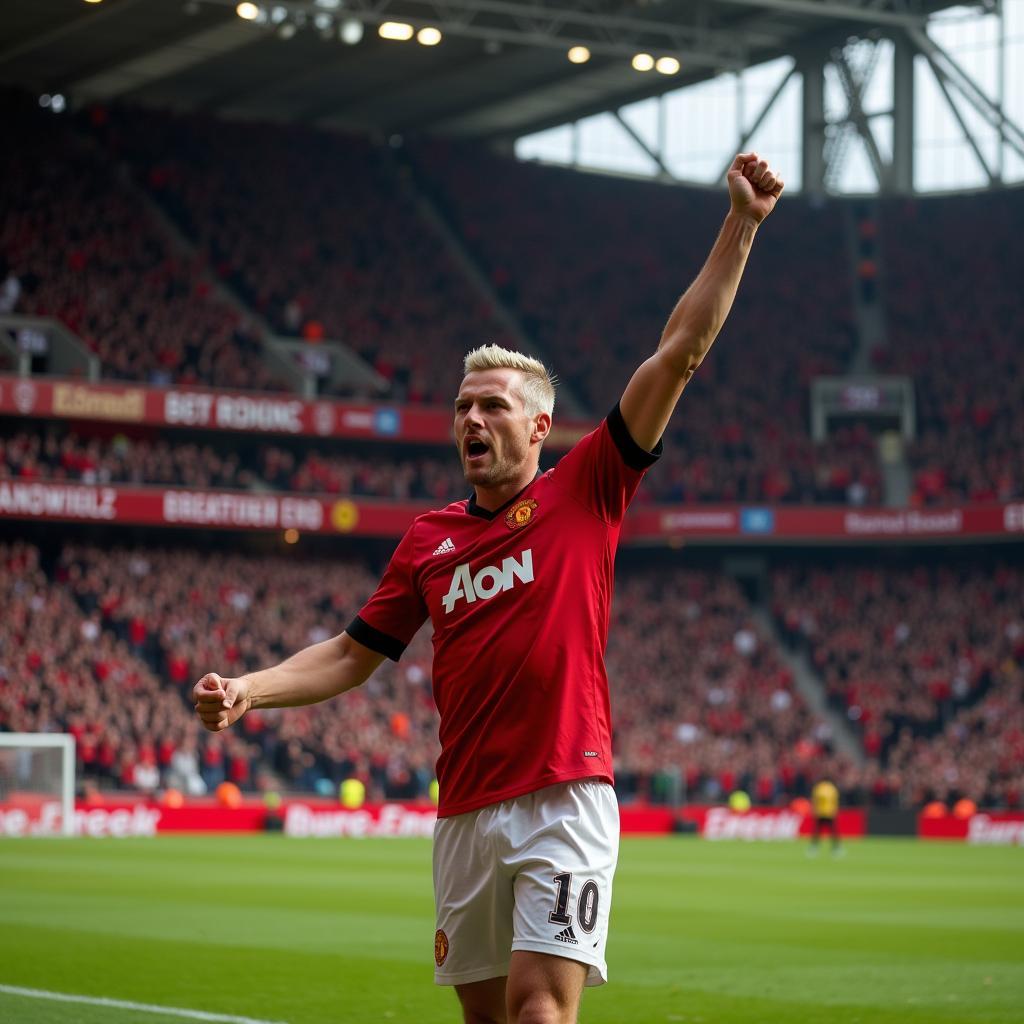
(475, 450)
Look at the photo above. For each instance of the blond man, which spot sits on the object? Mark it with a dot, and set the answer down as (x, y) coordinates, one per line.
(517, 584)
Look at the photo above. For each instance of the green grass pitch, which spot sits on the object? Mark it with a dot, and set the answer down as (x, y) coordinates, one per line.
(310, 931)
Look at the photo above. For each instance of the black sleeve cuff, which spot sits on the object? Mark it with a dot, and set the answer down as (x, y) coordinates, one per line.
(363, 633)
(632, 454)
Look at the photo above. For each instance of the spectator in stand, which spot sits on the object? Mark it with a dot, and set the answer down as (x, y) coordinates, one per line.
(348, 257)
(338, 249)
(728, 475)
(152, 615)
(700, 694)
(964, 298)
(741, 438)
(59, 454)
(10, 287)
(89, 254)
(927, 663)
(702, 698)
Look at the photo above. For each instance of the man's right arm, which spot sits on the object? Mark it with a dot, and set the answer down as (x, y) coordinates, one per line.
(315, 674)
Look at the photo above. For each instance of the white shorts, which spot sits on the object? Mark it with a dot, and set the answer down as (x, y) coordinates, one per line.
(531, 873)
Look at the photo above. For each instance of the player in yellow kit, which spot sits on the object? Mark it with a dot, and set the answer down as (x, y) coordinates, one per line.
(825, 804)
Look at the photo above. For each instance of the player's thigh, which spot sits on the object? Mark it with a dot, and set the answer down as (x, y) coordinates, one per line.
(483, 1002)
(473, 895)
(564, 873)
(544, 989)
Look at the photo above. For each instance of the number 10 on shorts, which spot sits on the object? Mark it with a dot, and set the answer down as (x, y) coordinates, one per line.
(586, 904)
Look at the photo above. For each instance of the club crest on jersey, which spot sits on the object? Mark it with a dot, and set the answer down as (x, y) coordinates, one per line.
(520, 513)
(440, 947)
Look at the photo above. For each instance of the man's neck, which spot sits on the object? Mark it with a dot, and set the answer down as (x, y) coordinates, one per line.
(492, 498)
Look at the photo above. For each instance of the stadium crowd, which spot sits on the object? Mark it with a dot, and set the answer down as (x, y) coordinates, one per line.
(349, 255)
(316, 231)
(743, 431)
(685, 476)
(148, 622)
(60, 454)
(106, 644)
(927, 663)
(78, 245)
(955, 320)
(392, 293)
(701, 697)
(928, 666)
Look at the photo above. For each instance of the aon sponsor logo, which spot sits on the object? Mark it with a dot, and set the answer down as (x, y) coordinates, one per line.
(488, 581)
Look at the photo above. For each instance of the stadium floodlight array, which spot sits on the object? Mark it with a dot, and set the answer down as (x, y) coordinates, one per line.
(37, 784)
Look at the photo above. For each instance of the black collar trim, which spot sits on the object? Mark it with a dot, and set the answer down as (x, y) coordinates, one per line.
(473, 509)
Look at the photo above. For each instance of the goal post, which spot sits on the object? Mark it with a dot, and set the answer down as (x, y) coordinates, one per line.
(37, 784)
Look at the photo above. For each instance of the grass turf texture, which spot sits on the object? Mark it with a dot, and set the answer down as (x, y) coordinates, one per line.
(309, 931)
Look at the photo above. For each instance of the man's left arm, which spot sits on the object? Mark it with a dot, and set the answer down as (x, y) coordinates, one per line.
(655, 388)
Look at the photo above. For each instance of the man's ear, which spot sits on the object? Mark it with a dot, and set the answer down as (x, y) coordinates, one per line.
(541, 428)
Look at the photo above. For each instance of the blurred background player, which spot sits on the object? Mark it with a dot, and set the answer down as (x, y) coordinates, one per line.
(517, 582)
(825, 806)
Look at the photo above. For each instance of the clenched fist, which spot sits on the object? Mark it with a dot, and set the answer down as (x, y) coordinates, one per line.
(220, 702)
(754, 188)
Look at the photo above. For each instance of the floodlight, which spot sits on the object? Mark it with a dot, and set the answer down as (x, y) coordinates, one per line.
(351, 31)
(643, 62)
(667, 65)
(428, 36)
(579, 55)
(395, 30)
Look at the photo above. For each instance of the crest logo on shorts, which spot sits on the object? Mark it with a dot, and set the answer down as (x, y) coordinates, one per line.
(440, 947)
(520, 513)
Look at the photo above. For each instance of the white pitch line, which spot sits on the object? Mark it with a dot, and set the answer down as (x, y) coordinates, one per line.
(122, 1004)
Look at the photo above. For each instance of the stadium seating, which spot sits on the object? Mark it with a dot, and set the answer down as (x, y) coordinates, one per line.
(346, 254)
(927, 663)
(110, 641)
(700, 693)
(85, 250)
(391, 292)
(109, 645)
(60, 454)
(594, 265)
(956, 317)
(315, 231)
(729, 475)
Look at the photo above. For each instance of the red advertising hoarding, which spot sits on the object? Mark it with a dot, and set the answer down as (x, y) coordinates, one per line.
(317, 818)
(986, 828)
(120, 818)
(252, 412)
(765, 824)
(760, 524)
(367, 517)
(233, 510)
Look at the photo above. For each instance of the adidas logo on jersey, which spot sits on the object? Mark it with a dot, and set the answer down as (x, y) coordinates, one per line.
(567, 935)
(488, 581)
(446, 547)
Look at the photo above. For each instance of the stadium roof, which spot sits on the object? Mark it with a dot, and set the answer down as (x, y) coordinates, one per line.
(501, 70)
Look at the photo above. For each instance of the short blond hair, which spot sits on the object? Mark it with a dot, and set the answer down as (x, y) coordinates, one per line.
(539, 382)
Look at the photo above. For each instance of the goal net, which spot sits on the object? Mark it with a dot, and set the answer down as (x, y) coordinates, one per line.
(37, 784)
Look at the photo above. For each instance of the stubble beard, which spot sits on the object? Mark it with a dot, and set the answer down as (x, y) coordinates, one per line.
(504, 468)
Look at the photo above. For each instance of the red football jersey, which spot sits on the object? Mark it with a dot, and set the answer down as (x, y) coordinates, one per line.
(520, 600)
